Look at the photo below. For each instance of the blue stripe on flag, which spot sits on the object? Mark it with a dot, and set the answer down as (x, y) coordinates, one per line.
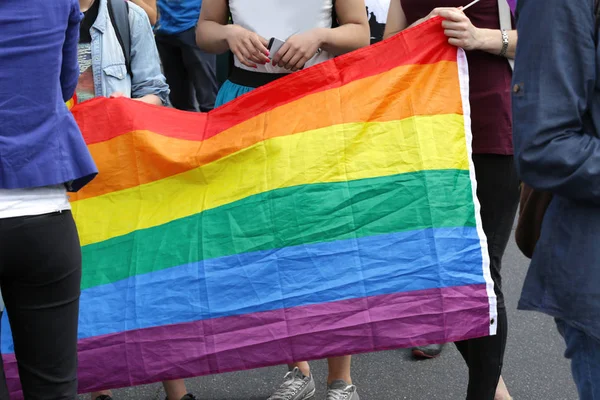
(284, 278)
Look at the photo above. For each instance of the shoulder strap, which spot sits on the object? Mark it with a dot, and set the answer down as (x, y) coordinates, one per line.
(506, 21)
(119, 16)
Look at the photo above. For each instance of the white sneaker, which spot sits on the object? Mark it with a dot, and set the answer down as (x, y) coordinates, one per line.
(340, 390)
(296, 386)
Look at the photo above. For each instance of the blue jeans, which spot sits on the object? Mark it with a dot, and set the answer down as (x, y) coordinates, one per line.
(584, 353)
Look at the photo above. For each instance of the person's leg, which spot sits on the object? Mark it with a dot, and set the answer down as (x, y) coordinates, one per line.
(303, 366)
(502, 391)
(339, 381)
(498, 194)
(584, 353)
(41, 279)
(339, 369)
(484, 357)
(182, 91)
(201, 69)
(175, 389)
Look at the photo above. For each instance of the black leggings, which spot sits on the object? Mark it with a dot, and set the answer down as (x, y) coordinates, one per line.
(40, 277)
(498, 194)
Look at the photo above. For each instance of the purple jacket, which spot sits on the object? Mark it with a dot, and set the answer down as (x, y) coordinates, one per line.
(40, 143)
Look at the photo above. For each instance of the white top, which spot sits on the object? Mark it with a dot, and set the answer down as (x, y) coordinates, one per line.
(281, 19)
(34, 201)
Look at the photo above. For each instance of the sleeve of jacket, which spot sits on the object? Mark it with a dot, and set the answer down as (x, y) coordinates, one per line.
(145, 61)
(69, 73)
(555, 80)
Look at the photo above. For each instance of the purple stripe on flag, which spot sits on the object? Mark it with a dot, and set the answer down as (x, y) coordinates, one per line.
(512, 4)
(277, 337)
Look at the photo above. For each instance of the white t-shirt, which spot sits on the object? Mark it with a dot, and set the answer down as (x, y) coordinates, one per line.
(281, 19)
(34, 201)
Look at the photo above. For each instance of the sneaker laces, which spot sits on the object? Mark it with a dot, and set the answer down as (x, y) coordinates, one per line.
(293, 382)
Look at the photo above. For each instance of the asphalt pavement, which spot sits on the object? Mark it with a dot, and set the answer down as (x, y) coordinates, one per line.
(534, 366)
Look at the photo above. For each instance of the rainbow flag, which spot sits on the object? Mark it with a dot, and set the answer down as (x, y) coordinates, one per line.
(329, 213)
(72, 102)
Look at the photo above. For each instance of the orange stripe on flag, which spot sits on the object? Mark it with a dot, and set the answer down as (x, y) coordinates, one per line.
(155, 156)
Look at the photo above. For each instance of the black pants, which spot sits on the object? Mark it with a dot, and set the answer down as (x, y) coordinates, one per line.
(190, 72)
(498, 194)
(40, 277)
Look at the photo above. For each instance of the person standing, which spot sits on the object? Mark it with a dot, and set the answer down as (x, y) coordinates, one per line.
(42, 157)
(377, 11)
(104, 72)
(149, 6)
(311, 34)
(191, 73)
(487, 48)
(556, 109)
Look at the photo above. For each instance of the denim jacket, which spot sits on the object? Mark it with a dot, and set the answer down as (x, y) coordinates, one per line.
(556, 111)
(108, 60)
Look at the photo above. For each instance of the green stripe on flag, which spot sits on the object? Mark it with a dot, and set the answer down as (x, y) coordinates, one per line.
(288, 217)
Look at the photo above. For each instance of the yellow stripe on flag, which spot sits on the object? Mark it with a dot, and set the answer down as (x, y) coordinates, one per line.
(333, 154)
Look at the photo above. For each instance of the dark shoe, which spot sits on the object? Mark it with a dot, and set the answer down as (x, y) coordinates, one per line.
(429, 351)
(188, 396)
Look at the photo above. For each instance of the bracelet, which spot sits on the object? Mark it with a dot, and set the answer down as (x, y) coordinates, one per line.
(504, 43)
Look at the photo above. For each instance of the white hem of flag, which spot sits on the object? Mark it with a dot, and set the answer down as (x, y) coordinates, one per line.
(463, 76)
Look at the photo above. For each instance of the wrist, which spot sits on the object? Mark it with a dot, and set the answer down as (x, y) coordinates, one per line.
(229, 31)
(419, 21)
(489, 40)
(323, 36)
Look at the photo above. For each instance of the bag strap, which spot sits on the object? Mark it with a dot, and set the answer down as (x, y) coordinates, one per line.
(118, 11)
(506, 22)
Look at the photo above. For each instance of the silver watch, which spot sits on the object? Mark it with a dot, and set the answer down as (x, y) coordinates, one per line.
(504, 43)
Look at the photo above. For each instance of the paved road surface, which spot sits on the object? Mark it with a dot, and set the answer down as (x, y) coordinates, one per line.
(534, 367)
